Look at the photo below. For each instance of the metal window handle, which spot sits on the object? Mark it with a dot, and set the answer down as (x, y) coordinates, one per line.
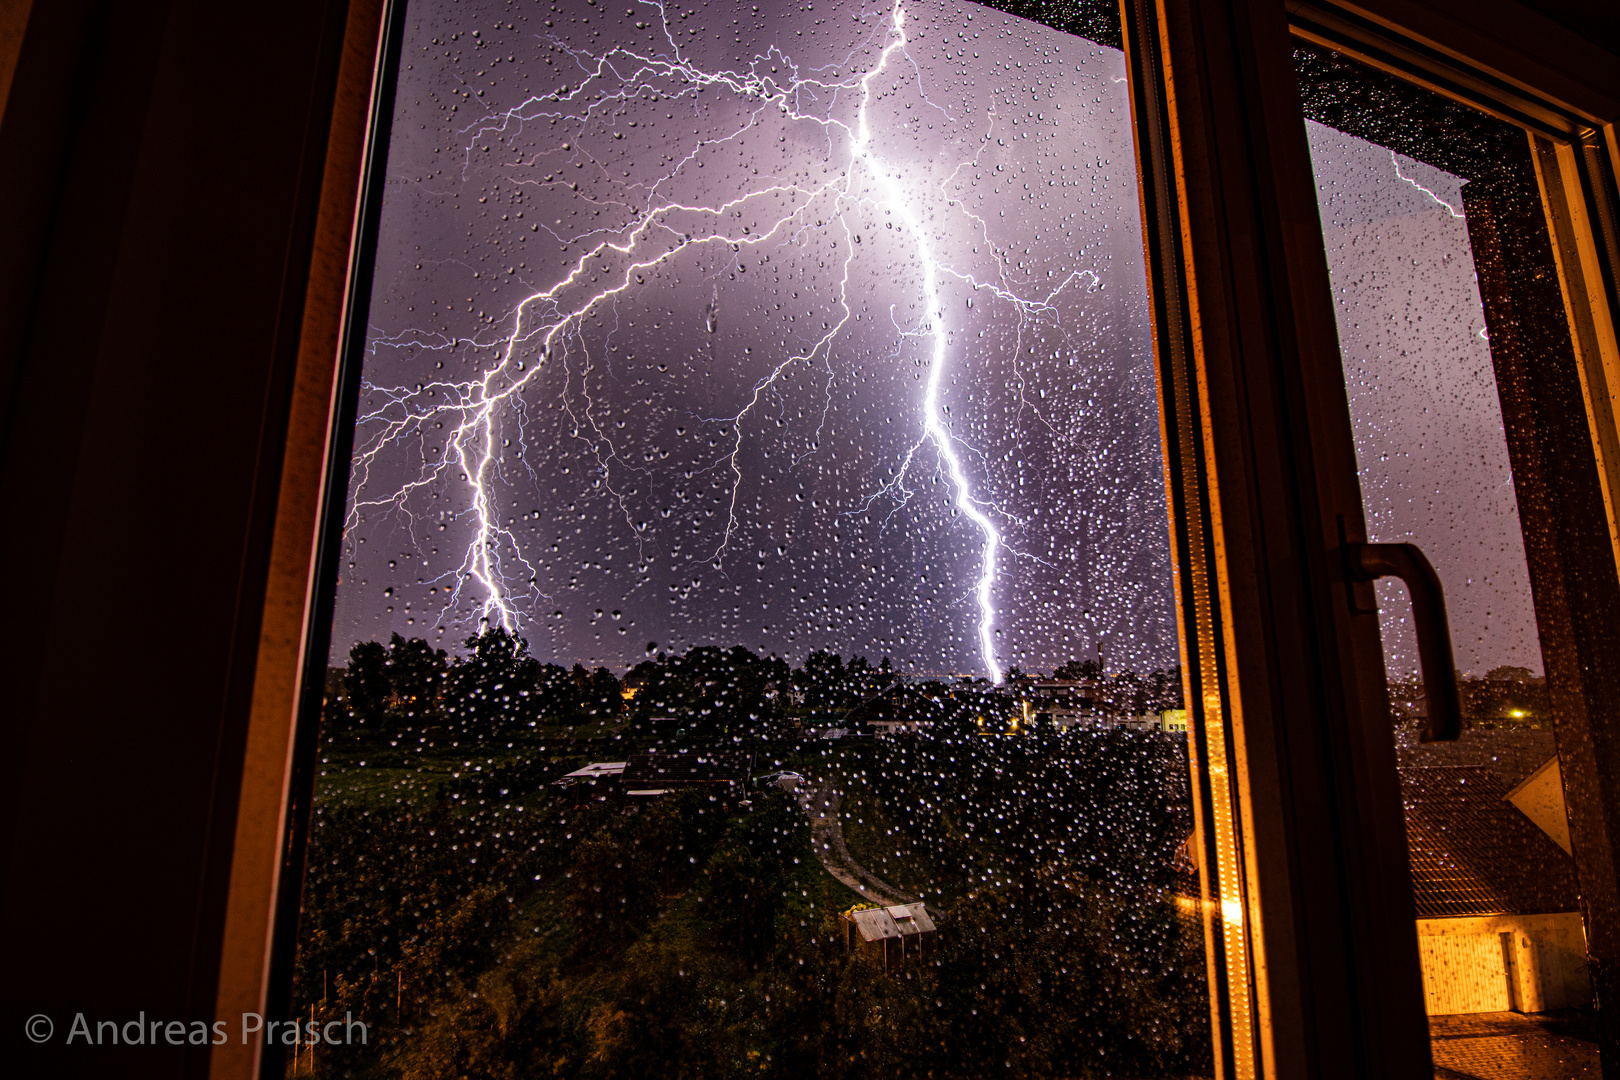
(1368, 562)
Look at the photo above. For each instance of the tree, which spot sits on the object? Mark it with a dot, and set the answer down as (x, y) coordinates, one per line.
(494, 685)
(556, 695)
(416, 674)
(712, 691)
(1165, 689)
(826, 685)
(366, 684)
(1079, 670)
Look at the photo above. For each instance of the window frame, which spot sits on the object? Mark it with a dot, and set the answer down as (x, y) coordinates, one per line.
(1290, 688)
(1307, 979)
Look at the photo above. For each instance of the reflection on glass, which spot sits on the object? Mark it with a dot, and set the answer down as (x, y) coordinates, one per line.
(1499, 930)
(755, 653)
(1429, 438)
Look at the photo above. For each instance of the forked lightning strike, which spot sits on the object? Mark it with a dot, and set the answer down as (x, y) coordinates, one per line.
(663, 228)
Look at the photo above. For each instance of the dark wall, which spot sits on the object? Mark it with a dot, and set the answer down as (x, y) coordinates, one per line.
(161, 166)
(1596, 20)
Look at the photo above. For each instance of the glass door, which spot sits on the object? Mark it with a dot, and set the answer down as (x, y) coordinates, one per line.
(1475, 461)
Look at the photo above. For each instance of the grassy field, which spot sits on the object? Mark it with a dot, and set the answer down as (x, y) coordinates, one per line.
(381, 773)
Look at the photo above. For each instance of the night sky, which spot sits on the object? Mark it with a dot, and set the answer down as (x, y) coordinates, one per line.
(730, 448)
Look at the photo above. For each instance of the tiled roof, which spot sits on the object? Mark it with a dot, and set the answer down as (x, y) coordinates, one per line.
(1510, 754)
(1474, 853)
(662, 768)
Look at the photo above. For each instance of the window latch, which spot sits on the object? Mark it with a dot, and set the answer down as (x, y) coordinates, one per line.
(1368, 562)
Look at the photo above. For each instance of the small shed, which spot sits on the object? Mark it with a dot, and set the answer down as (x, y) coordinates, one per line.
(583, 782)
(664, 770)
(901, 932)
(596, 770)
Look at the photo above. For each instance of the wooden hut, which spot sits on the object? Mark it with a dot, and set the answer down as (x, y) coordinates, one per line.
(667, 770)
(901, 933)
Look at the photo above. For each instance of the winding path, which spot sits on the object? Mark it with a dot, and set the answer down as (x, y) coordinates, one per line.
(821, 802)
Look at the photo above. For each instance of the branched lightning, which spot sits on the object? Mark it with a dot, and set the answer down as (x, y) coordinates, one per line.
(547, 326)
(1397, 163)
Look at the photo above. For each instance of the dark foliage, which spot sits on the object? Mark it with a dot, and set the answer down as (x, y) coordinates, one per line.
(713, 691)
(487, 930)
(494, 688)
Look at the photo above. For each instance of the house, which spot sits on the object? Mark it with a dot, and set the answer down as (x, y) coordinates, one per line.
(583, 784)
(1499, 926)
(663, 771)
(901, 933)
(898, 709)
(1061, 702)
(898, 727)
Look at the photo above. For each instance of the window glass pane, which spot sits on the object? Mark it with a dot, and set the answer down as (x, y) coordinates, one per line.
(755, 650)
(1409, 187)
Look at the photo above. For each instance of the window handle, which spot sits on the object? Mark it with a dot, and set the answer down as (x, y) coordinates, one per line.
(1368, 562)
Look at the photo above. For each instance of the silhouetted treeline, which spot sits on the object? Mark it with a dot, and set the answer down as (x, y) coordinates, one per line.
(712, 691)
(1505, 697)
(496, 687)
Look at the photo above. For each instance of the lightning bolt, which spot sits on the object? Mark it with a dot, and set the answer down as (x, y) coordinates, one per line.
(546, 327)
(1397, 163)
(933, 422)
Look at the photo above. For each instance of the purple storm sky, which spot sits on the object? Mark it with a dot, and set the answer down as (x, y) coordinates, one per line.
(732, 447)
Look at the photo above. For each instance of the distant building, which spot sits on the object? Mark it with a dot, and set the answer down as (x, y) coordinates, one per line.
(819, 725)
(664, 727)
(596, 770)
(663, 771)
(1498, 924)
(891, 711)
(898, 727)
(1173, 720)
(583, 784)
(1062, 703)
(900, 934)
(1067, 703)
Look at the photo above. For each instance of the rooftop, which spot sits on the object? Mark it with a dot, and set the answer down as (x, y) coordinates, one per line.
(900, 920)
(595, 770)
(1474, 853)
(662, 768)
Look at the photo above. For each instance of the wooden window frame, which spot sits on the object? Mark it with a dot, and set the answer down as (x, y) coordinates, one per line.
(1308, 907)
(1308, 911)
(1314, 952)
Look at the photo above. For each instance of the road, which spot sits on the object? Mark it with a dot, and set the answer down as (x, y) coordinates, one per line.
(821, 802)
